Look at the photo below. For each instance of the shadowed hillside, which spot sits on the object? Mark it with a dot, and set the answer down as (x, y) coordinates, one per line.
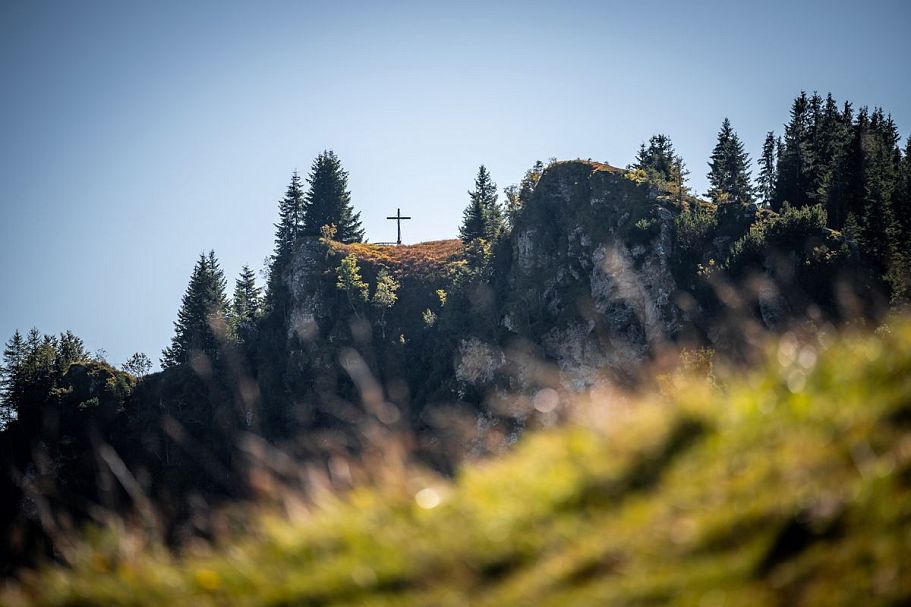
(788, 485)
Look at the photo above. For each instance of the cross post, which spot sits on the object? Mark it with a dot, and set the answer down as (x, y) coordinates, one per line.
(398, 221)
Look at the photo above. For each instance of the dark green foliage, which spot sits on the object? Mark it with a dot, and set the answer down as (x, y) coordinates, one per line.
(852, 166)
(483, 217)
(329, 201)
(899, 275)
(729, 173)
(795, 183)
(246, 306)
(10, 377)
(287, 231)
(793, 229)
(765, 182)
(694, 229)
(200, 325)
(138, 365)
(661, 163)
(517, 196)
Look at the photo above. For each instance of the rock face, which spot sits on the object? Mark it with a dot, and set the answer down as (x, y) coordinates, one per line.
(590, 279)
(599, 272)
(303, 282)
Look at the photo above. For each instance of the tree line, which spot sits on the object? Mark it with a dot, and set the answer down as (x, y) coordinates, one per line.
(847, 163)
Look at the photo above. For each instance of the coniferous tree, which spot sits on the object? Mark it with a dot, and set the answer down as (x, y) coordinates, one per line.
(483, 217)
(70, 349)
(328, 201)
(729, 173)
(661, 163)
(900, 264)
(794, 184)
(902, 204)
(833, 174)
(881, 169)
(200, 325)
(765, 182)
(11, 381)
(290, 218)
(246, 304)
(287, 231)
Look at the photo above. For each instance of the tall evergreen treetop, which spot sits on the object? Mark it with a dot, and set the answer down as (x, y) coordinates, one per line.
(200, 324)
(290, 218)
(483, 217)
(661, 162)
(287, 231)
(795, 183)
(328, 201)
(247, 296)
(765, 182)
(729, 173)
(11, 384)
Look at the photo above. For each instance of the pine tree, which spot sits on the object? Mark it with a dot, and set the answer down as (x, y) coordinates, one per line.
(765, 182)
(902, 204)
(881, 170)
(290, 218)
(483, 217)
(11, 381)
(661, 163)
(200, 325)
(729, 173)
(287, 231)
(795, 184)
(900, 264)
(328, 201)
(246, 304)
(833, 157)
(70, 349)
(247, 296)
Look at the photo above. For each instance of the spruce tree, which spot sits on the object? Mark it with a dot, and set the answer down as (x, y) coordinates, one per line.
(70, 349)
(834, 157)
(11, 380)
(287, 231)
(795, 184)
(661, 163)
(290, 218)
(765, 182)
(246, 304)
(900, 264)
(328, 201)
(729, 173)
(200, 325)
(483, 217)
(881, 168)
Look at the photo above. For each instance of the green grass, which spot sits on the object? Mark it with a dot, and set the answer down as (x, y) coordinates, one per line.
(789, 485)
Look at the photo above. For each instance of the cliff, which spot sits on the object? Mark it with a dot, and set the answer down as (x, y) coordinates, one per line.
(599, 272)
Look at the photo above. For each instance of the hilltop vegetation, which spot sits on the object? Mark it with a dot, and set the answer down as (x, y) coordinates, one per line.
(586, 276)
(787, 485)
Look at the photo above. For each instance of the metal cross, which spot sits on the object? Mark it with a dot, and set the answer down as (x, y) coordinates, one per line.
(398, 220)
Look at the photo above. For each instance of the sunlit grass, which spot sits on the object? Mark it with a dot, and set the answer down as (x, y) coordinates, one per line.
(786, 485)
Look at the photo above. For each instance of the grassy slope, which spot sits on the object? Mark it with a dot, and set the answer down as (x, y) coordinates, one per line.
(407, 260)
(790, 485)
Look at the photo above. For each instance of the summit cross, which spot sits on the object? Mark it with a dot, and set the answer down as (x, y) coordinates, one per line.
(398, 220)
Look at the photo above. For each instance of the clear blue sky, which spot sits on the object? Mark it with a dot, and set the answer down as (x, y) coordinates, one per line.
(135, 135)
